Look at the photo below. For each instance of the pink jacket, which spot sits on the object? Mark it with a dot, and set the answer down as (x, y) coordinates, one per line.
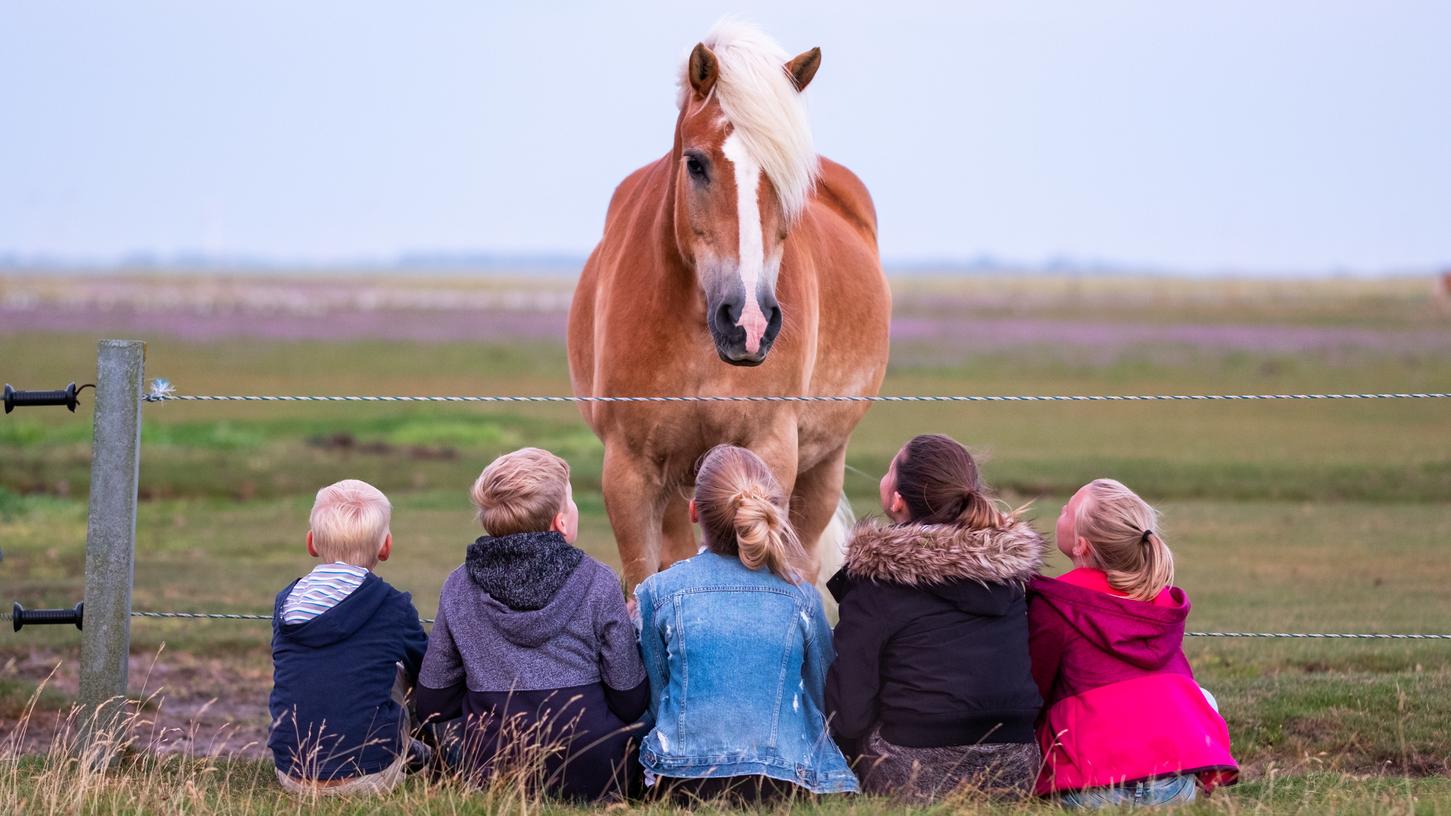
(1120, 702)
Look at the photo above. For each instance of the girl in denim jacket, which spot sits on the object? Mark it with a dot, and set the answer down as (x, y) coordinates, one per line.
(736, 647)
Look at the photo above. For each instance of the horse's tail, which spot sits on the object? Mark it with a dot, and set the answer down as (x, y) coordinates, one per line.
(831, 550)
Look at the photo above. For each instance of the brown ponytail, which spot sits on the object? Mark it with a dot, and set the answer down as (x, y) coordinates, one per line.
(940, 484)
(742, 512)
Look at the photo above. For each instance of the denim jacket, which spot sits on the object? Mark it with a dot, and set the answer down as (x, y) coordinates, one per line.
(737, 662)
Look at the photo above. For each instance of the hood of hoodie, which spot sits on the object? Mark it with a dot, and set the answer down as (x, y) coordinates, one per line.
(532, 584)
(1143, 634)
(523, 571)
(338, 623)
(979, 571)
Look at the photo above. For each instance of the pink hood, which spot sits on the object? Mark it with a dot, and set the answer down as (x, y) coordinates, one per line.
(1144, 635)
(1121, 703)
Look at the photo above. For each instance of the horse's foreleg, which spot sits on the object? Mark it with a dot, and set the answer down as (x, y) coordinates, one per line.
(680, 541)
(635, 502)
(813, 505)
(777, 447)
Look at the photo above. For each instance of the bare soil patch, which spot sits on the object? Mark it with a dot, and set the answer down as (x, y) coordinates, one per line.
(183, 703)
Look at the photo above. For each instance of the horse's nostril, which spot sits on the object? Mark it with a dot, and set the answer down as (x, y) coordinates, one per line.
(724, 317)
(774, 325)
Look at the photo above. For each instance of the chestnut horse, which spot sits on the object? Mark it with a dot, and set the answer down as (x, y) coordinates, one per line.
(739, 263)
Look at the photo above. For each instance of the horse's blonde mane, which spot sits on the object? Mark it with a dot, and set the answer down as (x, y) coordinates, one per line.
(761, 102)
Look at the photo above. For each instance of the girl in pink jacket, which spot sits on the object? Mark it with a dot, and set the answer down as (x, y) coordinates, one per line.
(1124, 721)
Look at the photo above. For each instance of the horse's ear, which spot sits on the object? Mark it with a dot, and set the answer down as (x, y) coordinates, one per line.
(703, 70)
(803, 68)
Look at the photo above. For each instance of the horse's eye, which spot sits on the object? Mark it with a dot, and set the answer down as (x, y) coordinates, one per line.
(695, 168)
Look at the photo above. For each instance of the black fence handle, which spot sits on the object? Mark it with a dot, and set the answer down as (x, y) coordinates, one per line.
(25, 399)
(20, 616)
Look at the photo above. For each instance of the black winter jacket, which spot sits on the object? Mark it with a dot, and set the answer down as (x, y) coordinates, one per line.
(932, 644)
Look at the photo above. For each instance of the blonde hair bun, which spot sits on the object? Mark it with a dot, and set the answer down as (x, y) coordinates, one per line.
(743, 513)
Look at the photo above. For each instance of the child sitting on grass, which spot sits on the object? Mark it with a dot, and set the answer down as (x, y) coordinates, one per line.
(931, 681)
(345, 645)
(533, 645)
(737, 647)
(1124, 723)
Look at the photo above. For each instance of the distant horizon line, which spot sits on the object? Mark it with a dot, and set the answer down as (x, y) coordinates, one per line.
(566, 262)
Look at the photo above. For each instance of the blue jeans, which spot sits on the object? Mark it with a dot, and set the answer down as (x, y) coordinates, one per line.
(1164, 791)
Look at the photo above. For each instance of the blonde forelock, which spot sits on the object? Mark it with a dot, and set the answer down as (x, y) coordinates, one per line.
(767, 112)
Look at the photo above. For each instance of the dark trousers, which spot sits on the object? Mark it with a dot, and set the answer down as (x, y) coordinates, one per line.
(743, 790)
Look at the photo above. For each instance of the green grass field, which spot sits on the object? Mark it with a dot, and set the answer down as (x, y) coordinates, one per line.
(1284, 516)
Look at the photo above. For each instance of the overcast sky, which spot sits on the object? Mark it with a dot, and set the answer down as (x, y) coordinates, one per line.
(1231, 134)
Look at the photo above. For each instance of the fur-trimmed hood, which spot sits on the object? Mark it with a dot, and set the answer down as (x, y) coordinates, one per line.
(927, 555)
(932, 647)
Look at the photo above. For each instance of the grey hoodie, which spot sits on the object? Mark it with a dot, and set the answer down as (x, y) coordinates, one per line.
(555, 618)
(533, 642)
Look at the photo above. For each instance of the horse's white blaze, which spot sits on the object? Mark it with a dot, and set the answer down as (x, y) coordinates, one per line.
(751, 256)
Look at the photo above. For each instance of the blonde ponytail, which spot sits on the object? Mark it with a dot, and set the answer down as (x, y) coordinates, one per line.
(1123, 532)
(742, 512)
(764, 537)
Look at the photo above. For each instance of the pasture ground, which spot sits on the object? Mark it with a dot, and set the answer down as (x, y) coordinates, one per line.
(1288, 516)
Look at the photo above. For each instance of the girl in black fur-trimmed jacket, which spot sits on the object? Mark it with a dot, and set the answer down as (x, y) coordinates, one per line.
(931, 684)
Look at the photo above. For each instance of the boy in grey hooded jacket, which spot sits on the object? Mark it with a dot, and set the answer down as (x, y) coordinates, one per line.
(533, 645)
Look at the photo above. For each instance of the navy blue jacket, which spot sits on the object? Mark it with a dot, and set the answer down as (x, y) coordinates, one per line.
(333, 714)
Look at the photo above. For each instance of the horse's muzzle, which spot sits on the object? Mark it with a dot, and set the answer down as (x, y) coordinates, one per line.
(731, 341)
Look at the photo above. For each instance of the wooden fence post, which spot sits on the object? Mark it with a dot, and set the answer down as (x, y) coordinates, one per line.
(111, 542)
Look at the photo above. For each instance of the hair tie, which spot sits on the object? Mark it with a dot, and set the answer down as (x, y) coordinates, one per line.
(1145, 538)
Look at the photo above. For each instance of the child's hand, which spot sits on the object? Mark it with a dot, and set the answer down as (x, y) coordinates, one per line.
(632, 608)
